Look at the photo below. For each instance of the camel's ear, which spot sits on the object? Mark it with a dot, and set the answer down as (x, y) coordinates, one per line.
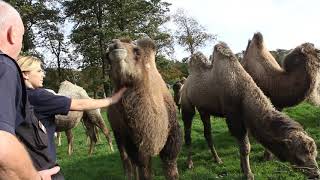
(310, 145)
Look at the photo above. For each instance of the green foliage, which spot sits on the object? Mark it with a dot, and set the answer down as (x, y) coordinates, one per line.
(98, 22)
(106, 165)
(38, 16)
(279, 55)
(52, 81)
(171, 71)
(190, 34)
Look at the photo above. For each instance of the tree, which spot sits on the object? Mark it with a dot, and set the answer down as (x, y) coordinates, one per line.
(98, 22)
(279, 55)
(190, 34)
(36, 16)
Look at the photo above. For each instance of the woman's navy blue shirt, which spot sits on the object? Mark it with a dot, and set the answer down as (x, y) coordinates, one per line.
(46, 106)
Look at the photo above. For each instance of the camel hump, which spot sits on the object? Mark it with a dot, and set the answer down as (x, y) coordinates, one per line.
(223, 49)
(307, 48)
(198, 59)
(258, 39)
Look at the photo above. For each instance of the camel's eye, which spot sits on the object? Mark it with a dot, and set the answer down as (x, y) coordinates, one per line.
(137, 51)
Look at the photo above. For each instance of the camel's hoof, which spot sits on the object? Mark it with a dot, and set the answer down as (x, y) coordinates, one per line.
(267, 157)
(190, 164)
(250, 176)
(218, 161)
(111, 148)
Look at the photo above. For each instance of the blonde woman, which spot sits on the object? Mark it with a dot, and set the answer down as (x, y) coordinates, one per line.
(47, 105)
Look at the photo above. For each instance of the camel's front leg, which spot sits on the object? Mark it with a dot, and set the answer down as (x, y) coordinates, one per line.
(238, 130)
(187, 138)
(205, 117)
(244, 145)
(70, 141)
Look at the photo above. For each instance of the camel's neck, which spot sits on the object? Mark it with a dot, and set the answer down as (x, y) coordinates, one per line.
(266, 124)
(291, 88)
(282, 87)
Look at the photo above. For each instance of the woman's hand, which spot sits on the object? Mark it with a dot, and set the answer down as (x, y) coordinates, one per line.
(117, 96)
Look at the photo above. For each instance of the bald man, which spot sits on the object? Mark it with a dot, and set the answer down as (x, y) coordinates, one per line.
(15, 162)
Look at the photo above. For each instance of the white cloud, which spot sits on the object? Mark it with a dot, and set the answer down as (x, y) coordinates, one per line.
(284, 23)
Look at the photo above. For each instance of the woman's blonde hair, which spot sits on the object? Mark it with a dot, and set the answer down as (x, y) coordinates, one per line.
(28, 63)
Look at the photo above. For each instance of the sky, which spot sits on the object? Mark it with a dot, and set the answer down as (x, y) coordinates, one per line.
(284, 24)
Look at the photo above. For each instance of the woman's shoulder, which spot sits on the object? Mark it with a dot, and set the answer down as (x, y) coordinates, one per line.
(39, 92)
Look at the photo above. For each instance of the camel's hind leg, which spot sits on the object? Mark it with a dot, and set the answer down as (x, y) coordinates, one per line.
(70, 141)
(144, 167)
(59, 138)
(90, 131)
(187, 116)
(239, 131)
(205, 117)
(170, 152)
(101, 124)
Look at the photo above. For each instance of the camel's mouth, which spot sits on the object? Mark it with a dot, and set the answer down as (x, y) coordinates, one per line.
(118, 54)
(312, 172)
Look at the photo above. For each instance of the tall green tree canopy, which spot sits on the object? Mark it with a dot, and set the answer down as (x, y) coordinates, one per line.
(190, 34)
(96, 23)
(38, 17)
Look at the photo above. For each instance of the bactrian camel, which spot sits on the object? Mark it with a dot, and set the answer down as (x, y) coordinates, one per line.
(297, 81)
(225, 89)
(144, 122)
(90, 118)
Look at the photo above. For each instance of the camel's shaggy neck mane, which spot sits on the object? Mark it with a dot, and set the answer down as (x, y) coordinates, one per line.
(137, 103)
(298, 74)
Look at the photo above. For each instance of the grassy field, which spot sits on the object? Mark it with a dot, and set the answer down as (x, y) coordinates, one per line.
(104, 165)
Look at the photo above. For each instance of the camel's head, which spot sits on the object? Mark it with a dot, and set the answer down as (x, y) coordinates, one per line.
(130, 62)
(66, 88)
(302, 153)
(183, 80)
(222, 51)
(303, 54)
(177, 86)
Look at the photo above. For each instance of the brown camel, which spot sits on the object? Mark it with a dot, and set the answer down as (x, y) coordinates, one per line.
(177, 86)
(298, 80)
(90, 118)
(144, 122)
(225, 89)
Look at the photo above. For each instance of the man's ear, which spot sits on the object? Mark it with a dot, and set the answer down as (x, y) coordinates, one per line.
(10, 35)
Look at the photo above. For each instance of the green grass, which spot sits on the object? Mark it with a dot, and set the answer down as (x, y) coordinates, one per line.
(106, 165)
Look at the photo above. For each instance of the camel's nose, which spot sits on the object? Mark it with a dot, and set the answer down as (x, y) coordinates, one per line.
(116, 44)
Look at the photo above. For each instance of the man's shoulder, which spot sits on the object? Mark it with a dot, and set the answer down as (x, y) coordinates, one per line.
(7, 64)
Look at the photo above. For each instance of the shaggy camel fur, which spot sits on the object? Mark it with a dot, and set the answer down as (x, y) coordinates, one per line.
(90, 118)
(144, 122)
(298, 80)
(226, 89)
(177, 86)
(287, 86)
